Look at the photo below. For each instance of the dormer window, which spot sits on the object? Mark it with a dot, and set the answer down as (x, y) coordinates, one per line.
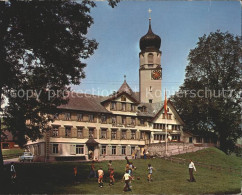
(68, 116)
(123, 98)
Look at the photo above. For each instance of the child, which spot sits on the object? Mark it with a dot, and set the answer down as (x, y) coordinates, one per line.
(13, 173)
(75, 173)
(112, 180)
(100, 177)
(150, 170)
(126, 178)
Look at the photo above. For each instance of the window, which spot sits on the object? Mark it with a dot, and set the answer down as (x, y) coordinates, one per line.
(124, 150)
(113, 106)
(79, 117)
(103, 150)
(142, 122)
(133, 134)
(103, 133)
(114, 134)
(56, 116)
(103, 119)
(80, 132)
(150, 101)
(175, 137)
(190, 139)
(114, 119)
(169, 116)
(68, 116)
(123, 120)
(159, 137)
(55, 131)
(132, 107)
(55, 149)
(67, 131)
(91, 117)
(142, 135)
(132, 121)
(123, 106)
(123, 98)
(91, 133)
(113, 150)
(123, 135)
(150, 58)
(132, 149)
(198, 139)
(150, 89)
(79, 149)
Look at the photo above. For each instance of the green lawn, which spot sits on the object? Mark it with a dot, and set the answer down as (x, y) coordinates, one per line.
(12, 153)
(168, 177)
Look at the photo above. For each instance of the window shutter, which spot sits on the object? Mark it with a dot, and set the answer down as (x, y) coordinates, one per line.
(62, 131)
(50, 150)
(62, 116)
(118, 135)
(128, 107)
(73, 149)
(85, 118)
(85, 133)
(137, 121)
(128, 120)
(119, 119)
(95, 133)
(119, 106)
(128, 134)
(60, 148)
(95, 118)
(108, 134)
(73, 132)
(137, 135)
(74, 116)
(100, 133)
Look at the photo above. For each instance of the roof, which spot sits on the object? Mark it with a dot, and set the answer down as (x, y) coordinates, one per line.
(85, 102)
(91, 142)
(151, 109)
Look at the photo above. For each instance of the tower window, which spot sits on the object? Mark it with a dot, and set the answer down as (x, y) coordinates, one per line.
(150, 100)
(150, 58)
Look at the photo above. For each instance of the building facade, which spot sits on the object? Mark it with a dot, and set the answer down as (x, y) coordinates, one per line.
(118, 125)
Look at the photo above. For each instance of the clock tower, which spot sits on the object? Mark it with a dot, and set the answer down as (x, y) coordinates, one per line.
(150, 71)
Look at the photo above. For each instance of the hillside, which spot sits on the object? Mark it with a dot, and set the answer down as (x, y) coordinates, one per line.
(168, 177)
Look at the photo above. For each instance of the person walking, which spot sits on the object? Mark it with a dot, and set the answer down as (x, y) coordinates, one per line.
(92, 171)
(75, 173)
(191, 167)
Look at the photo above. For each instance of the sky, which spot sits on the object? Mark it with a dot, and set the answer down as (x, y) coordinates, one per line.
(178, 23)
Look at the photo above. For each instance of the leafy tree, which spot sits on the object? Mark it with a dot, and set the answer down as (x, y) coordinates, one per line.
(42, 47)
(209, 99)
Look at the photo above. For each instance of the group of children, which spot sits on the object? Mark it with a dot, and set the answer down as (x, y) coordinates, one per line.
(127, 178)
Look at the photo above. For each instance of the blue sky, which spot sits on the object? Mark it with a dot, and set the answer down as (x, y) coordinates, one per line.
(178, 23)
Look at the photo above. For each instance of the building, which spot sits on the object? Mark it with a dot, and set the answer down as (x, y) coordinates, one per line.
(118, 125)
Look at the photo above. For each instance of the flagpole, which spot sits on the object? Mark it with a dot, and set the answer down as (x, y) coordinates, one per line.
(165, 109)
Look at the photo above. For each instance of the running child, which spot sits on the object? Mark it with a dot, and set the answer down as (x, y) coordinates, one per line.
(100, 177)
(111, 176)
(150, 171)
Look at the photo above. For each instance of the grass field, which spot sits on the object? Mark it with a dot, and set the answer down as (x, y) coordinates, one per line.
(12, 153)
(168, 177)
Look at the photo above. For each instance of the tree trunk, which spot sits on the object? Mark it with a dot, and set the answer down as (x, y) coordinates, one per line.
(1, 155)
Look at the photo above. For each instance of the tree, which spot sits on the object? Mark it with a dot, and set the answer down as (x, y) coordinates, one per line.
(209, 99)
(42, 47)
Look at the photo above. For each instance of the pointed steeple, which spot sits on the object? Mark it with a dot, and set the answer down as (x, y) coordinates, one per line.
(125, 87)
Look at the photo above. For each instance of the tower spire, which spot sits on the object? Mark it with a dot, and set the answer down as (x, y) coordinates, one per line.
(149, 10)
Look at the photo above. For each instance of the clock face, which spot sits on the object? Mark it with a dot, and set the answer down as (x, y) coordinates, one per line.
(156, 74)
